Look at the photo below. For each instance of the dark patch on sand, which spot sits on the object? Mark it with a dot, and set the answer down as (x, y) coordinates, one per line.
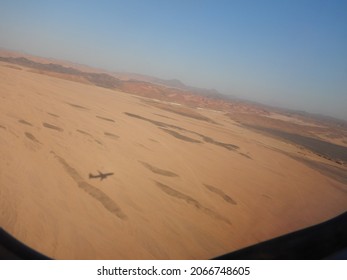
(322, 148)
(91, 136)
(32, 137)
(105, 119)
(206, 139)
(245, 155)
(174, 193)
(111, 135)
(99, 142)
(83, 132)
(180, 110)
(188, 199)
(3, 127)
(166, 125)
(143, 146)
(180, 136)
(161, 124)
(51, 126)
(157, 170)
(210, 140)
(227, 146)
(25, 122)
(77, 106)
(94, 192)
(157, 123)
(266, 196)
(334, 172)
(155, 141)
(53, 115)
(166, 117)
(220, 193)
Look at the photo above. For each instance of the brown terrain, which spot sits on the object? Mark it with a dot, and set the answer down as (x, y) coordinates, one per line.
(195, 176)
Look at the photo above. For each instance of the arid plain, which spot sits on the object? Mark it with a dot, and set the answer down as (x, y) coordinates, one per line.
(188, 182)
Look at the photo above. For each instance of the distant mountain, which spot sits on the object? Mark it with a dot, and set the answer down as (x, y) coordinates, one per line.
(14, 54)
(178, 84)
(167, 90)
(98, 79)
(172, 83)
(172, 90)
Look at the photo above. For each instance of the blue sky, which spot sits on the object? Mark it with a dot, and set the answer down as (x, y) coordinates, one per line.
(285, 53)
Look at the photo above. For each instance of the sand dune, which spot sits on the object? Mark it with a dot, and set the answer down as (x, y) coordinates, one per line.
(157, 170)
(187, 183)
(31, 137)
(219, 192)
(105, 119)
(94, 192)
(25, 122)
(51, 126)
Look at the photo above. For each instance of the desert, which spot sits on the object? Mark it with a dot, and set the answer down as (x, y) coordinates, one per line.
(193, 177)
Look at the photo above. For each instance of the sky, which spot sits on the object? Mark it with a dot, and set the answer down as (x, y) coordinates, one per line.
(288, 53)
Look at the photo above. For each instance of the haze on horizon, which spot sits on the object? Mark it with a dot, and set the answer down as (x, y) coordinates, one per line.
(283, 53)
